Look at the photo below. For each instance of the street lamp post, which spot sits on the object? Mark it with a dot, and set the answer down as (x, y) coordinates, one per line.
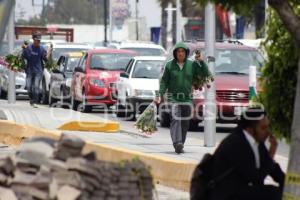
(136, 20)
(210, 96)
(178, 21)
(11, 77)
(105, 22)
(110, 21)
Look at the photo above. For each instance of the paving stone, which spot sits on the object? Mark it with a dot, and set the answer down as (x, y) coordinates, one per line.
(7, 194)
(68, 193)
(6, 165)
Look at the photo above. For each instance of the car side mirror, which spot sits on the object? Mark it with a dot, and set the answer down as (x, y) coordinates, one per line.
(124, 75)
(78, 69)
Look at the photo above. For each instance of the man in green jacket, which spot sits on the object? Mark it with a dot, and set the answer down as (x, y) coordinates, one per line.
(177, 82)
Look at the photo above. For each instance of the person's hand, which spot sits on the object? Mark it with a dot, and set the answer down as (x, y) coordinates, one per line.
(24, 46)
(157, 100)
(273, 145)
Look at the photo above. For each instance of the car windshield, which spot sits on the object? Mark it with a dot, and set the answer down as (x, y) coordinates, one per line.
(58, 51)
(72, 63)
(236, 61)
(110, 61)
(146, 51)
(147, 69)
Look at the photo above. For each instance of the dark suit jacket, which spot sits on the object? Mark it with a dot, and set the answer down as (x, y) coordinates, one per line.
(235, 151)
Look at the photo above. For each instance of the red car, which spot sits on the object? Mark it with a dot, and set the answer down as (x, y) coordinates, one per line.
(93, 81)
(231, 81)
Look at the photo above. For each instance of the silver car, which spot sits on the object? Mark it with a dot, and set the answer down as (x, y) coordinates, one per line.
(20, 81)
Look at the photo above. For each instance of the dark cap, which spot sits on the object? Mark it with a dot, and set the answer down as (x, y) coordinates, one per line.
(37, 36)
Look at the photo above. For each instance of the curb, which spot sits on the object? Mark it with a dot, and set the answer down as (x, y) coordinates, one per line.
(165, 171)
(103, 126)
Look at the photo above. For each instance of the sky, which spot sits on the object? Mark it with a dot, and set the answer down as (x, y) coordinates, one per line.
(25, 10)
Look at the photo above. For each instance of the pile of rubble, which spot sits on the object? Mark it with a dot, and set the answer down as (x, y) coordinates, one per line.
(45, 169)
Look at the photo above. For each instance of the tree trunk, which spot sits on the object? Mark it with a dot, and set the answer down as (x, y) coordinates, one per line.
(174, 21)
(164, 23)
(292, 186)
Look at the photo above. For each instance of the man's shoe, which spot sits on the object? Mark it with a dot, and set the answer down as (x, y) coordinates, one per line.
(179, 148)
(34, 105)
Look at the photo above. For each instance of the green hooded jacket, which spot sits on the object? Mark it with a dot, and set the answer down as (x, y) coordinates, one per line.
(178, 83)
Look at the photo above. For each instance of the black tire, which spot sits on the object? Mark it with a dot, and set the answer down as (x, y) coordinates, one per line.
(194, 125)
(51, 100)
(120, 110)
(3, 94)
(165, 119)
(84, 107)
(74, 103)
(44, 93)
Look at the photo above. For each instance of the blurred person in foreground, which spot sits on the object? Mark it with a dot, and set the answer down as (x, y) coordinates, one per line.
(177, 82)
(246, 153)
(34, 54)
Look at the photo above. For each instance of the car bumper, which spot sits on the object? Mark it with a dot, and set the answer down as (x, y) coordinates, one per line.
(226, 111)
(140, 103)
(97, 95)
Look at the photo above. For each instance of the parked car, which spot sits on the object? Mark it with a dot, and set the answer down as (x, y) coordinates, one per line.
(61, 78)
(231, 81)
(58, 49)
(94, 80)
(137, 85)
(143, 49)
(20, 81)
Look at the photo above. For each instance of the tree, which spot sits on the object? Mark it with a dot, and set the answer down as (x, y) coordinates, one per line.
(76, 11)
(291, 21)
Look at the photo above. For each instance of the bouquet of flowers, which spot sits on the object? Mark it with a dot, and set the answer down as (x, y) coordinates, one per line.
(50, 64)
(16, 62)
(204, 78)
(146, 123)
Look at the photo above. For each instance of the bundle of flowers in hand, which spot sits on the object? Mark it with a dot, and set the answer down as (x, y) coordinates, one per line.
(50, 64)
(15, 60)
(146, 123)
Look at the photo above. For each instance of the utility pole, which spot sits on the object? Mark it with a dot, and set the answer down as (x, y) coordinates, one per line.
(105, 22)
(210, 93)
(110, 21)
(11, 37)
(178, 21)
(136, 19)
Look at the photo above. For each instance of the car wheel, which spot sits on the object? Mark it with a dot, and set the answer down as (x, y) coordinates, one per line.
(194, 125)
(120, 110)
(44, 94)
(74, 103)
(165, 119)
(130, 111)
(84, 107)
(3, 94)
(51, 100)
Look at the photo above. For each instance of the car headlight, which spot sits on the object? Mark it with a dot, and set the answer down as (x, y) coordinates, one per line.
(144, 93)
(97, 82)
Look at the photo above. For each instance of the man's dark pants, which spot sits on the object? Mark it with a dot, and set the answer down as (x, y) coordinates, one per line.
(180, 121)
(33, 86)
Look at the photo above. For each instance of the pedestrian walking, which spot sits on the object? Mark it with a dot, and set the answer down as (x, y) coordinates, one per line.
(35, 55)
(244, 151)
(177, 82)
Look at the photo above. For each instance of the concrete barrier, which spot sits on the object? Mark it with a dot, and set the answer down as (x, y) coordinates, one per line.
(166, 171)
(101, 126)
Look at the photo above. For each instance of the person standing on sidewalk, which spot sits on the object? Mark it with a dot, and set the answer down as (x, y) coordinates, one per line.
(177, 81)
(34, 54)
(244, 151)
